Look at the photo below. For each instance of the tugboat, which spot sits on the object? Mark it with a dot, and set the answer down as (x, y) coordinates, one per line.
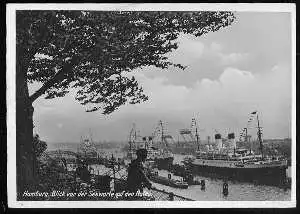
(239, 163)
(169, 181)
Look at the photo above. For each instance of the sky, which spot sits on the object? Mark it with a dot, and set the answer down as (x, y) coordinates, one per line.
(239, 69)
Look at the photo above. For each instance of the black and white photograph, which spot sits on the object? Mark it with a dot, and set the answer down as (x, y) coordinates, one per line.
(146, 105)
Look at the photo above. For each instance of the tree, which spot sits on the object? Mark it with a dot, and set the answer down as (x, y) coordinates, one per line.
(91, 52)
(39, 145)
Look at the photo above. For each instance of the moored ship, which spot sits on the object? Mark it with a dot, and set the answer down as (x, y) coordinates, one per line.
(156, 144)
(87, 151)
(231, 162)
(165, 158)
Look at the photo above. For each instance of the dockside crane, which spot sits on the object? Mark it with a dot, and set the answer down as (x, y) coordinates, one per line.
(161, 136)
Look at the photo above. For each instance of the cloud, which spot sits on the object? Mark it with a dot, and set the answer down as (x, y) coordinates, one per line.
(225, 102)
(217, 52)
(188, 51)
(231, 72)
(233, 58)
(191, 50)
(216, 47)
(203, 60)
(265, 37)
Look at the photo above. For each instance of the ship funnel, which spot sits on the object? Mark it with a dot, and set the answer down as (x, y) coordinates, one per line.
(232, 142)
(218, 139)
(150, 143)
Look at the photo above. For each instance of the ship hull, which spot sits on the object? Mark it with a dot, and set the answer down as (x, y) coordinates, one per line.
(259, 174)
(164, 163)
(168, 182)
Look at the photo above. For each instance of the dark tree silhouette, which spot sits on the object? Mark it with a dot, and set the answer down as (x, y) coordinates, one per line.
(90, 52)
(39, 145)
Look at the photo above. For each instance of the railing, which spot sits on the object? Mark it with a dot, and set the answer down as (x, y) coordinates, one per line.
(161, 195)
(119, 174)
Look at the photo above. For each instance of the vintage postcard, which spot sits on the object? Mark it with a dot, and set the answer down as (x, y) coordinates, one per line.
(151, 105)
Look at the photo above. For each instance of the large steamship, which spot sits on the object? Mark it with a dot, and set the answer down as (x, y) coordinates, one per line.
(156, 144)
(231, 162)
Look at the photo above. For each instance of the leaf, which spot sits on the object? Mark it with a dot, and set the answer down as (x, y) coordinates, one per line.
(91, 47)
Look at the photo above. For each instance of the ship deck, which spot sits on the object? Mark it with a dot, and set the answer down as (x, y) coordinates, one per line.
(237, 165)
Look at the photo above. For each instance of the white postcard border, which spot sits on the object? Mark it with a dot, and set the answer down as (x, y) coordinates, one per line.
(11, 104)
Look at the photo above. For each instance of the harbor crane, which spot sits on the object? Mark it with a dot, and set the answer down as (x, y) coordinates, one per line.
(161, 136)
(191, 134)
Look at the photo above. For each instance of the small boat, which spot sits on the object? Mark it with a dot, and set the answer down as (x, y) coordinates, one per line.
(189, 178)
(153, 176)
(178, 169)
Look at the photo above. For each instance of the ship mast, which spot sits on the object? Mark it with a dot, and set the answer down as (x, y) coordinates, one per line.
(259, 137)
(131, 141)
(194, 123)
(91, 136)
(130, 146)
(162, 131)
(197, 130)
(197, 138)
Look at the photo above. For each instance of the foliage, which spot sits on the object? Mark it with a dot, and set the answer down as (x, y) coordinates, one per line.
(39, 145)
(91, 51)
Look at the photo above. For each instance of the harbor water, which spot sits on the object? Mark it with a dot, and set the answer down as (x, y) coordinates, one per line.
(237, 191)
(213, 189)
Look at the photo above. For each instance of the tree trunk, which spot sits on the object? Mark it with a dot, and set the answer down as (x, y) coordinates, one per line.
(25, 156)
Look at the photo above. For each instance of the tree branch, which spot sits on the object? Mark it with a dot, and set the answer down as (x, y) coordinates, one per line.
(66, 68)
